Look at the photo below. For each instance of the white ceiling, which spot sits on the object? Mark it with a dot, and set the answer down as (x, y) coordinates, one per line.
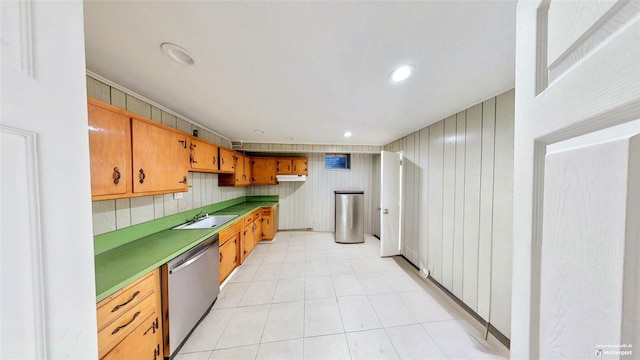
(307, 70)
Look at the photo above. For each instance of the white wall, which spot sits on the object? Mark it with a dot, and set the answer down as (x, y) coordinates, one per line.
(43, 95)
(457, 204)
(110, 215)
(310, 204)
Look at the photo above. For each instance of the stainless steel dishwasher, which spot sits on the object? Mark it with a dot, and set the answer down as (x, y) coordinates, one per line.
(191, 287)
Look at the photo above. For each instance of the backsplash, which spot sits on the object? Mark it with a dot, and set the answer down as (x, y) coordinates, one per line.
(110, 215)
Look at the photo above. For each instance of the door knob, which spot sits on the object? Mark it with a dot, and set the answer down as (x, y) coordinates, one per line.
(379, 209)
(386, 211)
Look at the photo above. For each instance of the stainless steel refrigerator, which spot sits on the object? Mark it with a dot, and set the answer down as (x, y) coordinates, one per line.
(349, 216)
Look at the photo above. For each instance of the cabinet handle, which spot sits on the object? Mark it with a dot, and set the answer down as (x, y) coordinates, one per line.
(295, 167)
(126, 302)
(236, 259)
(153, 327)
(191, 160)
(221, 257)
(156, 352)
(245, 251)
(184, 180)
(116, 175)
(289, 167)
(142, 176)
(214, 160)
(115, 331)
(184, 143)
(222, 161)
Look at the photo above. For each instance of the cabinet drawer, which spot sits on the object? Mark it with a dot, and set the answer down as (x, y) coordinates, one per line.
(248, 219)
(110, 335)
(256, 215)
(266, 211)
(143, 343)
(230, 232)
(125, 299)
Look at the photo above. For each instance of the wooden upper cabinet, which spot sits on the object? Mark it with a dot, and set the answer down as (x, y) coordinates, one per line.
(242, 171)
(160, 158)
(263, 171)
(226, 158)
(204, 156)
(300, 166)
(110, 151)
(284, 166)
(292, 166)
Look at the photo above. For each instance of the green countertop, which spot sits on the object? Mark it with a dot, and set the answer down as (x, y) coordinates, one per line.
(123, 265)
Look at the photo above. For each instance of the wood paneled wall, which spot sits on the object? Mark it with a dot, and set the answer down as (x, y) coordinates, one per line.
(110, 215)
(310, 204)
(458, 204)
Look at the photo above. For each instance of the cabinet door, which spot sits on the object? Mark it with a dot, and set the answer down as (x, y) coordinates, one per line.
(267, 224)
(204, 156)
(228, 257)
(160, 159)
(239, 169)
(226, 158)
(284, 167)
(110, 152)
(248, 241)
(145, 342)
(246, 180)
(257, 228)
(263, 171)
(300, 166)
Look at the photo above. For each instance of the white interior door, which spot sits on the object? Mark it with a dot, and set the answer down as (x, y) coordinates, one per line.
(390, 203)
(48, 307)
(576, 279)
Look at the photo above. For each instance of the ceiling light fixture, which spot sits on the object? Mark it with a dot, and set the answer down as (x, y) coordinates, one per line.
(258, 131)
(289, 138)
(401, 73)
(347, 134)
(177, 54)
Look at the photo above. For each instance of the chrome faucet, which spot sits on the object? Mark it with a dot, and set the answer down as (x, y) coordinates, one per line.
(199, 216)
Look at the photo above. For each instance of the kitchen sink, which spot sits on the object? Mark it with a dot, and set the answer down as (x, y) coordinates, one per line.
(206, 222)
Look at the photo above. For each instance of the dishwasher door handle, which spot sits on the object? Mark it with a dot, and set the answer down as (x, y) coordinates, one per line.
(191, 260)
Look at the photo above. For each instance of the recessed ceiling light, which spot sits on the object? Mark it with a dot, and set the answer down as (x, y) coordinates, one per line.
(289, 138)
(347, 134)
(401, 73)
(177, 53)
(259, 131)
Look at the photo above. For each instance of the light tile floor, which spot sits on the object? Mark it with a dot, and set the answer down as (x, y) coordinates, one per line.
(303, 296)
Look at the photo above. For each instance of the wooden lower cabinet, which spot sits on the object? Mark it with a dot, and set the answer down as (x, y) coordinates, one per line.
(228, 257)
(268, 223)
(129, 324)
(257, 227)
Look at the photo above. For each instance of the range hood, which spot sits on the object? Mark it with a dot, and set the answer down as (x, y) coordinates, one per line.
(291, 177)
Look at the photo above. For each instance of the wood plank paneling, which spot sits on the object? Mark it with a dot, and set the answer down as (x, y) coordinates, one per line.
(448, 201)
(486, 208)
(423, 218)
(458, 228)
(436, 162)
(457, 204)
(473, 158)
(502, 249)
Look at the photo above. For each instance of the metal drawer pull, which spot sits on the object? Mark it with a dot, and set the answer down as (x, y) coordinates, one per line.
(184, 180)
(126, 302)
(153, 327)
(184, 143)
(142, 176)
(115, 331)
(117, 175)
